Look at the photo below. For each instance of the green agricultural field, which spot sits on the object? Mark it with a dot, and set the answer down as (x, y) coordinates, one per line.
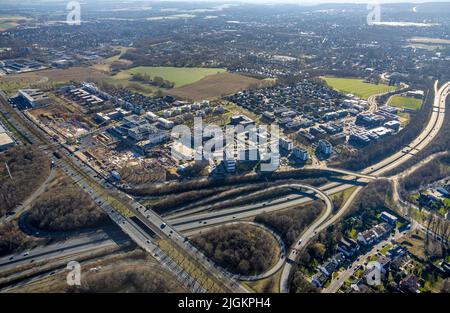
(405, 102)
(180, 76)
(122, 50)
(4, 25)
(7, 21)
(356, 86)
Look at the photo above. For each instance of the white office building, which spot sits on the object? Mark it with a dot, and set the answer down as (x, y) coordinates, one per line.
(325, 147)
(286, 144)
(301, 153)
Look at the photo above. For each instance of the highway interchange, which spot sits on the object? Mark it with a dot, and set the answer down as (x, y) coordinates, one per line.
(172, 228)
(150, 224)
(428, 134)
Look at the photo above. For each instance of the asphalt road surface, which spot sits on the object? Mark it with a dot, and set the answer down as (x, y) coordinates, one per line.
(428, 134)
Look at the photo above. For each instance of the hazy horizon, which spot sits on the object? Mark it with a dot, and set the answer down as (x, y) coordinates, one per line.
(242, 1)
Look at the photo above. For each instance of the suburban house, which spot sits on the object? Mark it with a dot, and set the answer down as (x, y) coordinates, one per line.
(385, 262)
(397, 252)
(389, 218)
(348, 246)
(410, 284)
(374, 234)
(319, 280)
(330, 266)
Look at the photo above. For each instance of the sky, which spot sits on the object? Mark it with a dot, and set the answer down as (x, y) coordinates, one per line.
(317, 1)
(309, 1)
(255, 1)
(305, 2)
(333, 1)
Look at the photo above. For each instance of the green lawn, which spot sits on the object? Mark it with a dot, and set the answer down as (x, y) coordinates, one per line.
(442, 211)
(405, 118)
(180, 76)
(447, 202)
(122, 50)
(405, 102)
(385, 249)
(356, 86)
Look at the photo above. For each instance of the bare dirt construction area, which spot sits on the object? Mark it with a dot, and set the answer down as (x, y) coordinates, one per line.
(54, 75)
(47, 79)
(215, 86)
(427, 40)
(7, 22)
(60, 120)
(50, 78)
(428, 43)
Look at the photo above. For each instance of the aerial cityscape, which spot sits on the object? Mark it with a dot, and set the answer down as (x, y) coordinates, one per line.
(224, 147)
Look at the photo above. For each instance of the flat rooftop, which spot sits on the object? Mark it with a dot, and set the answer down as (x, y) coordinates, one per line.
(5, 139)
(33, 94)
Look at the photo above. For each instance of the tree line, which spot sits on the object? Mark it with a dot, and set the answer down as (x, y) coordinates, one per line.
(155, 81)
(124, 279)
(432, 171)
(12, 239)
(65, 207)
(439, 144)
(290, 224)
(227, 196)
(314, 177)
(28, 169)
(242, 249)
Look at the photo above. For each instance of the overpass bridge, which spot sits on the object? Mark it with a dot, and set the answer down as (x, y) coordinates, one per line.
(344, 172)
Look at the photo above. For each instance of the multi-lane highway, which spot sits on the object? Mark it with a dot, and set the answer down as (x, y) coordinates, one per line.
(342, 171)
(84, 175)
(94, 185)
(428, 134)
(62, 248)
(186, 223)
(206, 220)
